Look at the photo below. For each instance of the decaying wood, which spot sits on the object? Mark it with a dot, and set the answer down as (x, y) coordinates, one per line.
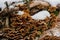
(35, 3)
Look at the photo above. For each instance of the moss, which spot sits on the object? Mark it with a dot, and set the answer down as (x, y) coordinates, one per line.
(56, 13)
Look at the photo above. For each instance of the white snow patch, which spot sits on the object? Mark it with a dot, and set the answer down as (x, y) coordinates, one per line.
(11, 6)
(20, 13)
(41, 15)
(56, 32)
(53, 2)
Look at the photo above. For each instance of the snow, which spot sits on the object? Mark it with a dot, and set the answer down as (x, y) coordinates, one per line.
(2, 5)
(41, 15)
(20, 13)
(56, 31)
(11, 6)
(53, 2)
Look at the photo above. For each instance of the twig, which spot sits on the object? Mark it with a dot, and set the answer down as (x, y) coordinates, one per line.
(7, 17)
(28, 3)
(7, 22)
(52, 33)
(7, 4)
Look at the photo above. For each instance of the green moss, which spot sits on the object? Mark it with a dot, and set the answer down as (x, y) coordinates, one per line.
(56, 13)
